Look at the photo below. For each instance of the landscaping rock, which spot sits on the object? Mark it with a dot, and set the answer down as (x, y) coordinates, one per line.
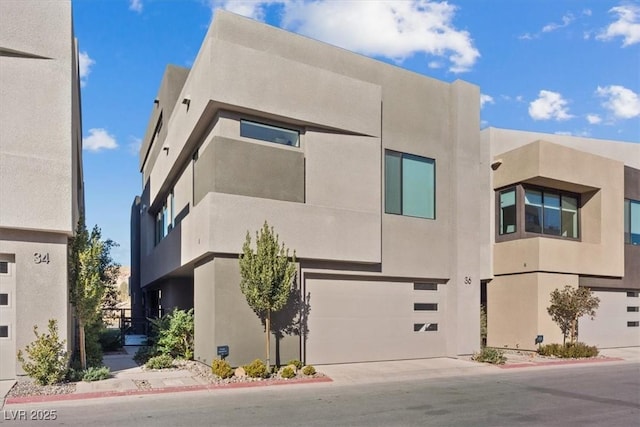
(240, 372)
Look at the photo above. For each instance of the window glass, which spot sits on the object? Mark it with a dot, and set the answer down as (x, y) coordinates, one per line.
(634, 222)
(392, 183)
(551, 220)
(508, 211)
(627, 221)
(569, 217)
(4, 267)
(533, 211)
(417, 186)
(269, 133)
(4, 299)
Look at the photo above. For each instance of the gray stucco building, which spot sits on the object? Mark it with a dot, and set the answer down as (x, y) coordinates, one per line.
(41, 181)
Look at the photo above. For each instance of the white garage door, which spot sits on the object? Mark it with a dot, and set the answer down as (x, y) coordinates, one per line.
(617, 321)
(358, 321)
(7, 319)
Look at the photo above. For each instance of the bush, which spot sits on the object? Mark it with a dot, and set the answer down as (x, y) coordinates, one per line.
(175, 334)
(490, 355)
(309, 370)
(575, 351)
(144, 353)
(48, 358)
(92, 343)
(162, 361)
(221, 368)
(96, 374)
(294, 362)
(110, 339)
(256, 369)
(287, 372)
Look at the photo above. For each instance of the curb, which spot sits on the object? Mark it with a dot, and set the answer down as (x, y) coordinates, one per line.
(175, 389)
(561, 362)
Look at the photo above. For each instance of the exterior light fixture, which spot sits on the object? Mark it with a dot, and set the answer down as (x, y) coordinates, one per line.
(186, 101)
(496, 164)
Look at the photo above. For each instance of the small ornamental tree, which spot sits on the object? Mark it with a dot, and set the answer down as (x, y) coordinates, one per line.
(267, 277)
(568, 305)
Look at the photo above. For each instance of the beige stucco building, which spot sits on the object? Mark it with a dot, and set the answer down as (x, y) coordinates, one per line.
(41, 184)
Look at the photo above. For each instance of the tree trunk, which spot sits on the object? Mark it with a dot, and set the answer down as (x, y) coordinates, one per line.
(83, 349)
(268, 343)
(573, 331)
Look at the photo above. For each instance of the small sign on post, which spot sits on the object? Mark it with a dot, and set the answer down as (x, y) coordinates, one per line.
(223, 351)
(539, 339)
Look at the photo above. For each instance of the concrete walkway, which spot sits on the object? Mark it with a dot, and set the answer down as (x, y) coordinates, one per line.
(130, 379)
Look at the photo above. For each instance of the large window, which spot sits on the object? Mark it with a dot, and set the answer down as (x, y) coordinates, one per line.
(165, 218)
(632, 222)
(410, 185)
(508, 211)
(550, 212)
(269, 133)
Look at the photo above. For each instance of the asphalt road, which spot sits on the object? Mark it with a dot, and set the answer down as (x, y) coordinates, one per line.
(595, 395)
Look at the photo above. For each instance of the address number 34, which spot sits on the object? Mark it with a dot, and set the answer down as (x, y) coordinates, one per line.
(41, 258)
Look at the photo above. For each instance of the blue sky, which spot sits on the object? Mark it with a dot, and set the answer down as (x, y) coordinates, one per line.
(570, 67)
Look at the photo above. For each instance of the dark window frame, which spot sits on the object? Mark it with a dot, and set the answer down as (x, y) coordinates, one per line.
(401, 155)
(628, 235)
(274, 126)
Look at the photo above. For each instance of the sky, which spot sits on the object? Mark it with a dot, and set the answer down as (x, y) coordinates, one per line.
(568, 67)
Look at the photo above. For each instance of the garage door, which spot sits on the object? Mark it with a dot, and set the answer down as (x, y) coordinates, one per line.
(617, 321)
(7, 319)
(359, 321)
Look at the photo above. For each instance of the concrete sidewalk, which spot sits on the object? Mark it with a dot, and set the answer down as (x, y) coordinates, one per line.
(130, 379)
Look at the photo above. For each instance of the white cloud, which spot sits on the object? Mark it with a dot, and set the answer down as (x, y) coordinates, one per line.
(135, 5)
(549, 106)
(587, 12)
(594, 119)
(563, 132)
(99, 139)
(486, 99)
(435, 64)
(622, 102)
(627, 26)
(134, 145)
(566, 20)
(395, 29)
(84, 63)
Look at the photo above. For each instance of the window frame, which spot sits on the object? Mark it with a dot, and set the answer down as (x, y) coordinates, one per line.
(264, 124)
(401, 155)
(628, 234)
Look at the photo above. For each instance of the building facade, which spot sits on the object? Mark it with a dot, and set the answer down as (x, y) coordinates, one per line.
(566, 211)
(370, 172)
(41, 181)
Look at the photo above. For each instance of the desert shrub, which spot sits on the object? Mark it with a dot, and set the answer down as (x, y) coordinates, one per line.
(294, 362)
(92, 343)
(309, 370)
(221, 368)
(256, 369)
(74, 375)
(96, 374)
(48, 359)
(490, 355)
(144, 353)
(110, 339)
(162, 361)
(175, 334)
(287, 372)
(571, 350)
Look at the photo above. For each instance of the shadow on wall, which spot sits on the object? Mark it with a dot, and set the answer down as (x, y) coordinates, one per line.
(291, 320)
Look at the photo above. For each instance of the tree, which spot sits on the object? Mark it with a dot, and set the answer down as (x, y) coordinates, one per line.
(267, 277)
(568, 305)
(92, 274)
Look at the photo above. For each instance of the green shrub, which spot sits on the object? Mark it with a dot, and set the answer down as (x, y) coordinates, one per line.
(575, 351)
(48, 358)
(96, 374)
(256, 369)
(175, 334)
(221, 368)
(309, 370)
(294, 362)
(144, 353)
(287, 372)
(490, 355)
(110, 339)
(162, 361)
(74, 375)
(92, 343)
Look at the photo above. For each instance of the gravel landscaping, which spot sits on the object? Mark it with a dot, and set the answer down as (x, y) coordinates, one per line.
(27, 387)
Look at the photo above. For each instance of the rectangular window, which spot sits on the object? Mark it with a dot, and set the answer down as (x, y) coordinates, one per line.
(633, 294)
(551, 213)
(409, 185)
(4, 331)
(425, 327)
(4, 267)
(165, 218)
(4, 299)
(425, 307)
(269, 133)
(425, 286)
(631, 309)
(632, 222)
(634, 324)
(508, 211)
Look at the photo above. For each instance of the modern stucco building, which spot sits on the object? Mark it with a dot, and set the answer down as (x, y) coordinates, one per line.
(41, 183)
(372, 173)
(564, 211)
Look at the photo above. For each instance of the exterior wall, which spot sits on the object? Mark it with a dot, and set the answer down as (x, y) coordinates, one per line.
(40, 166)
(609, 327)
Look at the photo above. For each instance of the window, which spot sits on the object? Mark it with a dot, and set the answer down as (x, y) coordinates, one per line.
(550, 212)
(4, 299)
(425, 286)
(165, 218)
(409, 185)
(632, 222)
(633, 294)
(269, 133)
(4, 331)
(631, 309)
(418, 306)
(425, 327)
(634, 324)
(4, 267)
(508, 211)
